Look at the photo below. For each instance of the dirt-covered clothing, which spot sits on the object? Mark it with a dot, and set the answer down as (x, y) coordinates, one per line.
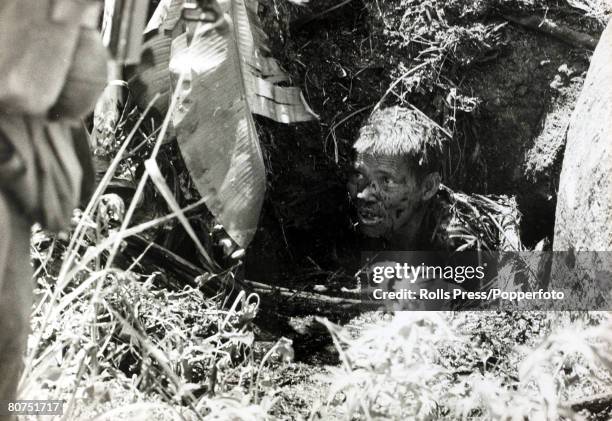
(459, 222)
(15, 295)
(453, 222)
(51, 57)
(52, 68)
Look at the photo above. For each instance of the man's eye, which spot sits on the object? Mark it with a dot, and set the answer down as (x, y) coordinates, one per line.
(388, 180)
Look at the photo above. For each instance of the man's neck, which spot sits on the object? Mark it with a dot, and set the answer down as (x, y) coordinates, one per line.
(412, 235)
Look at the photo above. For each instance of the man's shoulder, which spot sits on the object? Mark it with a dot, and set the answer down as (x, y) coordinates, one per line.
(463, 222)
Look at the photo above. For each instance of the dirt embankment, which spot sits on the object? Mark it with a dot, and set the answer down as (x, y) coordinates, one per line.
(504, 91)
(584, 211)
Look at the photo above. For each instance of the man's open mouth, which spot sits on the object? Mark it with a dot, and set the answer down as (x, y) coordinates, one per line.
(369, 217)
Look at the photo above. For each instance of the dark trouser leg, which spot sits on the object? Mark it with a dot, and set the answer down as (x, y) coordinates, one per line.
(15, 296)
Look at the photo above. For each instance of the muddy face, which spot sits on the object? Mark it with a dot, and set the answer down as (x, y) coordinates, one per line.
(386, 194)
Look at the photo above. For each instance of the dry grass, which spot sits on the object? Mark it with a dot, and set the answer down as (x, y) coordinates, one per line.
(115, 344)
(471, 365)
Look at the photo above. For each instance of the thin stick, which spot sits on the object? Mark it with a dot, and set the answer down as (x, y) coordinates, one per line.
(562, 33)
(395, 82)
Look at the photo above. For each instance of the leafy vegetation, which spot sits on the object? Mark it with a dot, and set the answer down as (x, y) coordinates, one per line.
(472, 365)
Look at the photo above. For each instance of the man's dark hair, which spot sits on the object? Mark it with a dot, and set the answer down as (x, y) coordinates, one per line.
(401, 131)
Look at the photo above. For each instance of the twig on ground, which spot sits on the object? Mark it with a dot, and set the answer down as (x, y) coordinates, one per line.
(562, 33)
(297, 301)
(299, 23)
(597, 404)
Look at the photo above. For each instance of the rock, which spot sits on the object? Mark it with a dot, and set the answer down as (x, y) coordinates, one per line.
(584, 203)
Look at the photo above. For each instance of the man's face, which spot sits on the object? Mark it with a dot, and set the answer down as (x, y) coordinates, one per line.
(386, 193)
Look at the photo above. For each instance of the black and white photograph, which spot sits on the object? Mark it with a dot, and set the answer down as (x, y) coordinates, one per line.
(305, 210)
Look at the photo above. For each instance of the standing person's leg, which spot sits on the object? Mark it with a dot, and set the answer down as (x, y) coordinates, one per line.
(15, 295)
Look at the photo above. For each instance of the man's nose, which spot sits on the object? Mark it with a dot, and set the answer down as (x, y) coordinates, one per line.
(367, 194)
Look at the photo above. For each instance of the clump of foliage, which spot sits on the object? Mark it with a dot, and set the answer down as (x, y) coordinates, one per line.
(439, 41)
(469, 366)
(436, 42)
(115, 335)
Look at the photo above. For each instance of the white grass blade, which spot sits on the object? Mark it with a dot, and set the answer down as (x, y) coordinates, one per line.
(162, 187)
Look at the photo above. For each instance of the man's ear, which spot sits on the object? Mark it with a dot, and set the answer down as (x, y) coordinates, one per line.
(431, 184)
